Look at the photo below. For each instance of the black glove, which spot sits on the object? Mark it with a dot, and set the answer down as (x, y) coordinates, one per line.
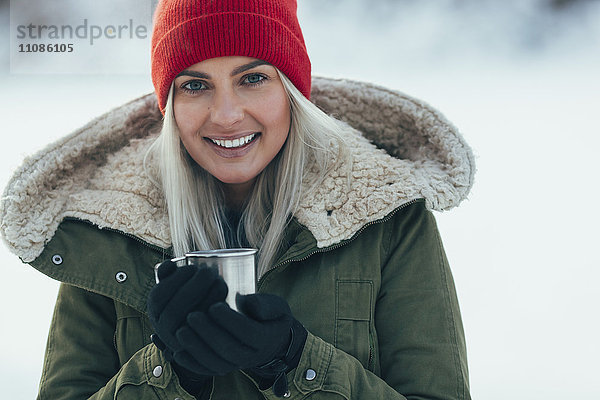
(181, 291)
(264, 338)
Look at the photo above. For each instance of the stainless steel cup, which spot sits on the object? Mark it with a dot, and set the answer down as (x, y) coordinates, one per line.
(236, 266)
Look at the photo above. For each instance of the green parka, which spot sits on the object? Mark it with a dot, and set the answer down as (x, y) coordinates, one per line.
(362, 267)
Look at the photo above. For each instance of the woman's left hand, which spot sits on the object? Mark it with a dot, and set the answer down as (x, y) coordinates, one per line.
(263, 337)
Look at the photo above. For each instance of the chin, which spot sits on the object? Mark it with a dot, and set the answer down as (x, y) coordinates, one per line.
(235, 180)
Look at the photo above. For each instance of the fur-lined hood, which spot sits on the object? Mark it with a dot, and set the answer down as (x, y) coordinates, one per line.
(97, 173)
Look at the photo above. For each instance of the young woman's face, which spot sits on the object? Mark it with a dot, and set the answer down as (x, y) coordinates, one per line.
(233, 116)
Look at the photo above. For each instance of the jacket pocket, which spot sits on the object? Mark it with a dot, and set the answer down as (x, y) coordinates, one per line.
(354, 330)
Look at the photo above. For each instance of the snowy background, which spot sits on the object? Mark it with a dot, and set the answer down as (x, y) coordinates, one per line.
(521, 80)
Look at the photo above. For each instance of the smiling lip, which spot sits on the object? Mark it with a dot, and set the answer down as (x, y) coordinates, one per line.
(232, 152)
(236, 141)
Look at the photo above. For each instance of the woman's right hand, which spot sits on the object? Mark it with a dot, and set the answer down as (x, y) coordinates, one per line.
(181, 291)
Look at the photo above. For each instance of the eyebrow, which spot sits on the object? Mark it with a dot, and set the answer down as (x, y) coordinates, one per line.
(236, 71)
(246, 67)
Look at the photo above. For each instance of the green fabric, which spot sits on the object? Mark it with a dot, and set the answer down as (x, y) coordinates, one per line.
(380, 308)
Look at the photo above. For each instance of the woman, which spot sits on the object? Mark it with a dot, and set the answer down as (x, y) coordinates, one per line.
(355, 297)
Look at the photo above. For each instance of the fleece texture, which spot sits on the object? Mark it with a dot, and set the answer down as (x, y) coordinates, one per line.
(402, 149)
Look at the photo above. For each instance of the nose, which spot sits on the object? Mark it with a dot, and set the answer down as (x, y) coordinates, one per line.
(226, 109)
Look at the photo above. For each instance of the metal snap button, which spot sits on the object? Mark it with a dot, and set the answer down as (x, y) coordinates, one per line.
(157, 372)
(287, 394)
(310, 374)
(57, 259)
(121, 277)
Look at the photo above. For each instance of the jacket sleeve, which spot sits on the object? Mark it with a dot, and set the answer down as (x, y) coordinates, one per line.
(81, 361)
(417, 317)
(419, 329)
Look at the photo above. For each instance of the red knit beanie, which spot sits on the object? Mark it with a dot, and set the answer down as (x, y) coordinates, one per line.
(187, 32)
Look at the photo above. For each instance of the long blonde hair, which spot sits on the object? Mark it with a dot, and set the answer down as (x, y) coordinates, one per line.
(195, 199)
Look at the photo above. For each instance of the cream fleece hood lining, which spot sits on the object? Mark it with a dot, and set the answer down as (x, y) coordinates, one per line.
(97, 173)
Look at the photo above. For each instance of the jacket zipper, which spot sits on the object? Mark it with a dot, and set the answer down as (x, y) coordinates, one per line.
(340, 244)
(370, 365)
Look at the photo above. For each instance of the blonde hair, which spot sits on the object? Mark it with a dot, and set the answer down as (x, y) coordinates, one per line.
(195, 199)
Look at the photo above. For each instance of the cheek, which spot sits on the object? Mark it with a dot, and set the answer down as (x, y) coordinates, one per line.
(278, 115)
(187, 118)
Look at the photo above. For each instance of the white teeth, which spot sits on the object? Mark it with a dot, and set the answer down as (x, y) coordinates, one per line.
(235, 142)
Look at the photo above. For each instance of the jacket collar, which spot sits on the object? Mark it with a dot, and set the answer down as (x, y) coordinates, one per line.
(97, 173)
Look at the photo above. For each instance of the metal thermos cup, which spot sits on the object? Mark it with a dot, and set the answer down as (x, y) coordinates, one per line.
(236, 266)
